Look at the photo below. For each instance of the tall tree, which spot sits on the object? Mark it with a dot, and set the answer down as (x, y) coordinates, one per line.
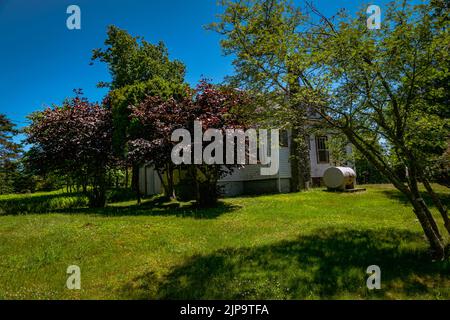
(262, 35)
(9, 152)
(74, 139)
(371, 87)
(366, 83)
(157, 118)
(138, 69)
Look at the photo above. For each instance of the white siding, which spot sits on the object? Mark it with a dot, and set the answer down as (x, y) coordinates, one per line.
(149, 182)
(240, 178)
(253, 171)
(285, 163)
(231, 188)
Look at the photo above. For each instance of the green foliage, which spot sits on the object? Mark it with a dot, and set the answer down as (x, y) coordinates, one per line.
(40, 203)
(120, 195)
(49, 182)
(132, 60)
(387, 85)
(138, 69)
(264, 39)
(440, 169)
(9, 150)
(358, 75)
(261, 34)
(25, 182)
(378, 83)
(184, 190)
(9, 153)
(132, 95)
(366, 172)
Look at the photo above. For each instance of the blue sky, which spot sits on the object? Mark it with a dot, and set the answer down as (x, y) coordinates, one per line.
(41, 61)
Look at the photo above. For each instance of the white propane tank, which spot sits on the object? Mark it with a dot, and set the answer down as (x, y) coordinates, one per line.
(341, 178)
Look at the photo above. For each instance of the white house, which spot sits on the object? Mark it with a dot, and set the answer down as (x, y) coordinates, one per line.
(248, 180)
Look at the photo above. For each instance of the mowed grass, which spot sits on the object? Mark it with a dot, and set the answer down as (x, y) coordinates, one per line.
(311, 245)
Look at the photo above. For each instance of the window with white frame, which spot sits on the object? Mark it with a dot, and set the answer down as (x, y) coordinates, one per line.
(323, 154)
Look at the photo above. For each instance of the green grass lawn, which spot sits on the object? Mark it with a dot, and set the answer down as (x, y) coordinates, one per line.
(312, 245)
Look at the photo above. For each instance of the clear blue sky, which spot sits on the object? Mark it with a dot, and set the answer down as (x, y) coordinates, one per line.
(41, 61)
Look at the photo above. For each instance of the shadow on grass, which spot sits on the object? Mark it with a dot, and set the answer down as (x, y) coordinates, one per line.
(327, 265)
(73, 203)
(397, 195)
(157, 207)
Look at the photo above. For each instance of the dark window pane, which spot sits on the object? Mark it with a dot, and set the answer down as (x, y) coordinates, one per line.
(323, 156)
(284, 142)
(322, 150)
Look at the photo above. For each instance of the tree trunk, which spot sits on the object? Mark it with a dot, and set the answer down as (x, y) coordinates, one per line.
(170, 183)
(110, 179)
(164, 184)
(295, 167)
(424, 215)
(304, 159)
(437, 202)
(436, 244)
(300, 136)
(135, 182)
(437, 247)
(97, 198)
(300, 155)
(208, 192)
(413, 185)
(192, 170)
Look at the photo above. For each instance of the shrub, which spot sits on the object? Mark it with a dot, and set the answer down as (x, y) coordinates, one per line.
(120, 195)
(39, 203)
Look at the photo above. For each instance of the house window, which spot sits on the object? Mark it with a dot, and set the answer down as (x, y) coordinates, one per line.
(323, 154)
(284, 139)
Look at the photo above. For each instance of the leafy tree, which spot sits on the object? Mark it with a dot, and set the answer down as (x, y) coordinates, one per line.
(262, 35)
(9, 152)
(121, 99)
(337, 145)
(154, 120)
(138, 69)
(216, 107)
(157, 118)
(435, 89)
(25, 181)
(133, 60)
(366, 83)
(441, 168)
(371, 88)
(74, 139)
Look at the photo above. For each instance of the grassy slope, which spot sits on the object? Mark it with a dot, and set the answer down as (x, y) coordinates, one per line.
(312, 245)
